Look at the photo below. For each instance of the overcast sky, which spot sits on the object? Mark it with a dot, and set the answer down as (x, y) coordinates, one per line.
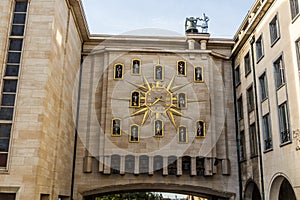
(121, 16)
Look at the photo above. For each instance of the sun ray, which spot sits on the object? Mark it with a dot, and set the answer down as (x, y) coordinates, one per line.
(171, 117)
(170, 84)
(173, 89)
(140, 111)
(138, 86)
(145, 117)
(123, 99)
(195, 100)
(175, 111)
(147, 83)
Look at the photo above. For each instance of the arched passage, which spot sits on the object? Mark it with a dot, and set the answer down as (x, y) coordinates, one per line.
(252, 191)
(281, 189)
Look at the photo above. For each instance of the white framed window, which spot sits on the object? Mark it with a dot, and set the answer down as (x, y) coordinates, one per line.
(259, 48)
(263, 86)
(268, 143)
(279, 72)
(274, 30)
(284, 126)
(294, 4)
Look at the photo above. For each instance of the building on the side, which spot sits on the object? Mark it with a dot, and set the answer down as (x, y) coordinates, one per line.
(267, 93)
(84, 115)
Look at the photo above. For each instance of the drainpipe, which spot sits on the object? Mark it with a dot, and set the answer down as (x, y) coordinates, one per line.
(76, 128)
(257, 120)
(237, 133)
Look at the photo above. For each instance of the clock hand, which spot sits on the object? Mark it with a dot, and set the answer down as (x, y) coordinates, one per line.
(157, 100)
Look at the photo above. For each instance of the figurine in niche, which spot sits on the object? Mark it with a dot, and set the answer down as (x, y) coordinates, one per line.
(158, 73)
(134, 133)
(198, 74)
(182, 134)
(118, 71)
(200, 131)
(181, 100)
(116, 127)
(135, 99)
(158, 127)
(181, 70)
(136, 67)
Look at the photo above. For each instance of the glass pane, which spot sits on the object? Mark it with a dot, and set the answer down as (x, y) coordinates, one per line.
(19, 18)
(12, 70)
(3, 161)
(21, 6)
(15, 45)
(5, 130)
(4, 143)
(10, 86)
(17, 30)
(14, 57)
(8, 100)
(6, 113)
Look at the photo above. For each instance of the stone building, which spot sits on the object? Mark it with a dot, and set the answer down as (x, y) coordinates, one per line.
(85, 115)
(266, 67)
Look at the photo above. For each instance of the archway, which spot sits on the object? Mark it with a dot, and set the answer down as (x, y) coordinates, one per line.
(281, 189)
(252, 191)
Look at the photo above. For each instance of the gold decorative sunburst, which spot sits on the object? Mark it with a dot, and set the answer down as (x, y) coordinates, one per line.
(158, 99)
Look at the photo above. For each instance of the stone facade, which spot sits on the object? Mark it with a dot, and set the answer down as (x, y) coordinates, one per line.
(66, 98)
(276, 161)
(102, 98)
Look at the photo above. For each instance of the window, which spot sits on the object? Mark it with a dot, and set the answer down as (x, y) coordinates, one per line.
(284, 123)
(259, 48)
(253, 140)
(10, 79)
(242, 146)
(267, 132)
(247, 64)
(250, 99)
(8, 196)
(237, 75)
(19, 18)
(240, 107)
(263, 86)
(279, 72)
(298, 53)
(274, 30)
(294, 4)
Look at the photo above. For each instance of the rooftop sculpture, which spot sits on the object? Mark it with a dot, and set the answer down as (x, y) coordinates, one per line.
(191, 24)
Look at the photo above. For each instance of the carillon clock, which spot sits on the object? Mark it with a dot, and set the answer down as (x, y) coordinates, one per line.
(160, 100)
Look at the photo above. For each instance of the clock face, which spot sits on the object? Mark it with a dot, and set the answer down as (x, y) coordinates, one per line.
(170, 93)
(158, 99)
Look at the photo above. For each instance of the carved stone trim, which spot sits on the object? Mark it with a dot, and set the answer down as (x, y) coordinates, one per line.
(296, 135)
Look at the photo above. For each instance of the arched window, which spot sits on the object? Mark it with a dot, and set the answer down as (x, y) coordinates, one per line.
(115, 164)
(144, 164)
(186, 165)
(129, 164)
(158, 164)
(172, 165)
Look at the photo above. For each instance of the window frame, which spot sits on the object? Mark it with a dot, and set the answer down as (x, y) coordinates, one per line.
(240, 108)
(284, 124)
(259, 43)
(279, 72)
(267, 132)
(242, 146)
(247, 64)
(250, 99)
(253, 140)
(294, 8)
(297, 45)
(263, 86)
(274, 24)
(237, 75)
